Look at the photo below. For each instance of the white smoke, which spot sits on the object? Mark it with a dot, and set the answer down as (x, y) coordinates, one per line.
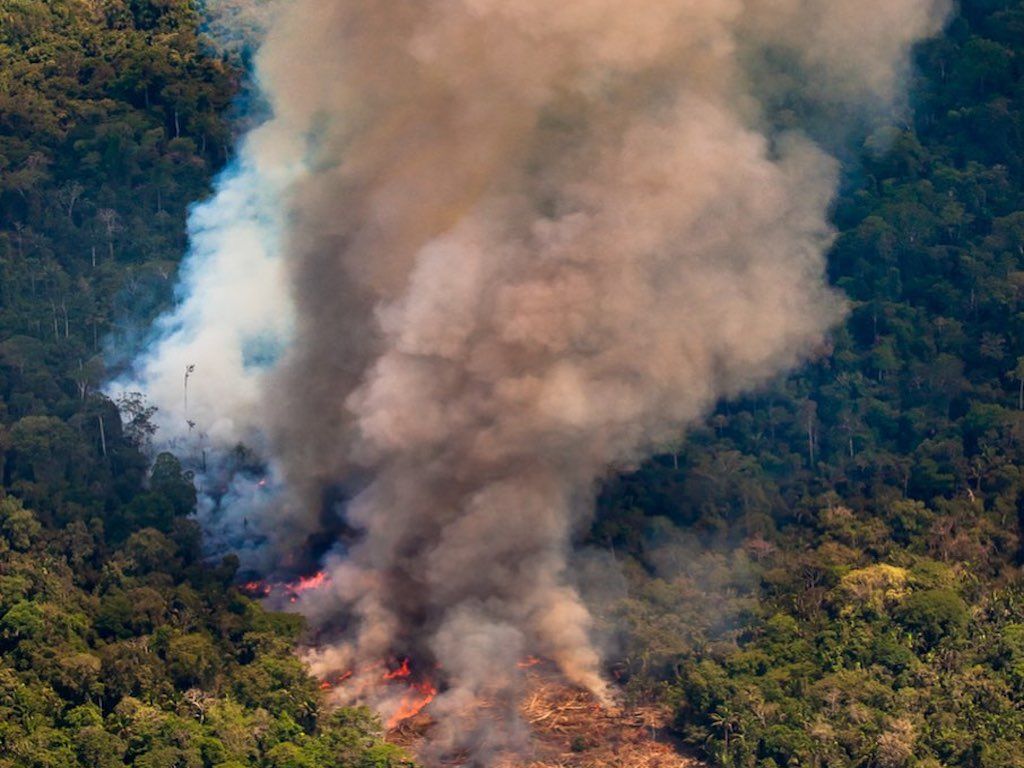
(205, 368)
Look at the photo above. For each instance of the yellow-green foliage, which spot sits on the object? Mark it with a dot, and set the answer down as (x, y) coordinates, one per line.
(876, 588)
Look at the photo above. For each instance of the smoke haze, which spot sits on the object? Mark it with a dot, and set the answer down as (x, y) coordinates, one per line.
(497, 249)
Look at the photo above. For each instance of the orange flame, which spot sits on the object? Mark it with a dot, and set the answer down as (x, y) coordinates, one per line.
(420, 695)
(526, 663)
(414, 701)
(305, 583)
(401, 673)
(328, 684)
(292, 589)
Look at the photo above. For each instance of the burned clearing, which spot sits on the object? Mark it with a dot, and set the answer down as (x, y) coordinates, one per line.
(570, 728)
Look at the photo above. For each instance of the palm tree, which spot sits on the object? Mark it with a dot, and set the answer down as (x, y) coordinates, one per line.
(724, 720)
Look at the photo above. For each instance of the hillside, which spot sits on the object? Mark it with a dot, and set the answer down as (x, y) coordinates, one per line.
(829, 573)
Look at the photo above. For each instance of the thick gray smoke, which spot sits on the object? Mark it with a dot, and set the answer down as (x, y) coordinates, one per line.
(526, 243)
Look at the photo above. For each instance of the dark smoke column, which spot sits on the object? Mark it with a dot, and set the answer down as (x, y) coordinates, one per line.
(529, 242)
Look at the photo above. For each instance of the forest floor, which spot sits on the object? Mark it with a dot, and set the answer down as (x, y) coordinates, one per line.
(570, 728)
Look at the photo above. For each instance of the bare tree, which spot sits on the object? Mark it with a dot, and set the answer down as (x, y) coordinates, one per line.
(809, 412)
(103, 435)
(68, 195)
(189, 370)
(112, 224)
(19, 228)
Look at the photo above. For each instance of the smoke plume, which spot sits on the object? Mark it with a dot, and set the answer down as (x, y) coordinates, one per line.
(503, 247)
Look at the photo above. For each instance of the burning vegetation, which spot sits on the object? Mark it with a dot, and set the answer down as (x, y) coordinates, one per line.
(416, 690)
(291, 590)
(556, 236)
(568, 728)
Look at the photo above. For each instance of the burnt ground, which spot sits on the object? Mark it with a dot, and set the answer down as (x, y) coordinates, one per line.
(572, 729)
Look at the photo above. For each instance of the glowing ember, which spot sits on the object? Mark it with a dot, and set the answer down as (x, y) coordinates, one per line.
(257, 588)
(532, 661)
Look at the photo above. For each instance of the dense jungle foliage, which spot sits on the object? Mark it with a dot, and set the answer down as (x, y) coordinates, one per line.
(826, 574)
(829, 573)
(118, 646)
